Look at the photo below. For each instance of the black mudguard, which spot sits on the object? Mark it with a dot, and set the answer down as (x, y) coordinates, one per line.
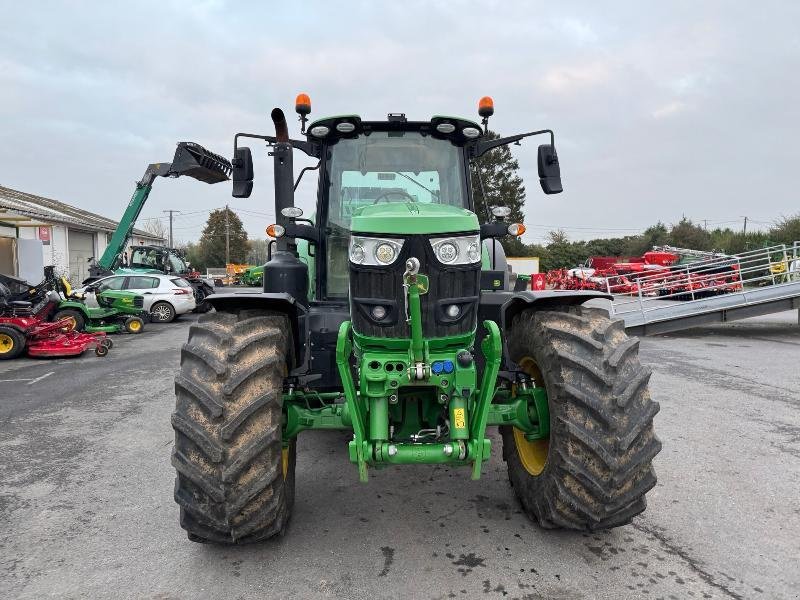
(278, 302)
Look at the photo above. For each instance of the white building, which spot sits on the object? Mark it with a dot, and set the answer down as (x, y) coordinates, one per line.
(36, 231)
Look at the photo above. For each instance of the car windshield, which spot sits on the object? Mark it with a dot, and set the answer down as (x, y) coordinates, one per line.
(385, 167)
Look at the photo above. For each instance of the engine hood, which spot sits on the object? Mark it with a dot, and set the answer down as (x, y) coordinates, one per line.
(410, 218)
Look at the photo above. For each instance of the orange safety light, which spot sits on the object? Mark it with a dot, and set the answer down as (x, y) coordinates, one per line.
(275, 231)
(302, 104)
(486, 107)
(516, 229)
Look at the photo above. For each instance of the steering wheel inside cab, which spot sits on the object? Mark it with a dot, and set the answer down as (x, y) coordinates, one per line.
(400, 193)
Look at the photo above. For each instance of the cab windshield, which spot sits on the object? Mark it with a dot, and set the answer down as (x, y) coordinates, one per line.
(392, 166)
(383, 167)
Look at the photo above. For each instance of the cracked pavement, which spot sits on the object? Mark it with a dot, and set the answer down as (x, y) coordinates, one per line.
(87, 512)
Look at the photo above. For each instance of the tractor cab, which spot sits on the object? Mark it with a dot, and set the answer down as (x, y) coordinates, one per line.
(157, 259)
(385, 171)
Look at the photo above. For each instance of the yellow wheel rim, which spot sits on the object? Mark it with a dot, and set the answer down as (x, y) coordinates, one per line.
(285, 461)
(532, 454)
(134, 325)
(6, 343)
(71, 323)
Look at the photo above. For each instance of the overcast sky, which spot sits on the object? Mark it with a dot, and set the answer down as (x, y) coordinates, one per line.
(660, 108)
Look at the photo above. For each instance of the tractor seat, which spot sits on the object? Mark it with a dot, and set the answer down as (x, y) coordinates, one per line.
(20, 304)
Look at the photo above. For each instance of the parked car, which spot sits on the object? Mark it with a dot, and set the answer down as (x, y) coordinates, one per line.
(165, 296)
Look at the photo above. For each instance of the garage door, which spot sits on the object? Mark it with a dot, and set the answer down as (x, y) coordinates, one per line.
(81, 249)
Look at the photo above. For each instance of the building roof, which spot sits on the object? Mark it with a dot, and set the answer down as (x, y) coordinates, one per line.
(48, 210)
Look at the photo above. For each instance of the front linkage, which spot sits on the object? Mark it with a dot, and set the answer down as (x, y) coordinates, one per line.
(443, 371)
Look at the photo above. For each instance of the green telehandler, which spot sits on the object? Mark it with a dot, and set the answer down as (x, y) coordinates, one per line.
(388, 316)
(190, 160)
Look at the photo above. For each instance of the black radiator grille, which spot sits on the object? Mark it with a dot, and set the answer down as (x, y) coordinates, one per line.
(368, 285)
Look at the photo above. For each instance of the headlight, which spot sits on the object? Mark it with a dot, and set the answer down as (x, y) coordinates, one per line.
(374, 251)
(464, 250)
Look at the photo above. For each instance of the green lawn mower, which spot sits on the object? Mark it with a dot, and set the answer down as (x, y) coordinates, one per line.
(387, 316)
(118, 311)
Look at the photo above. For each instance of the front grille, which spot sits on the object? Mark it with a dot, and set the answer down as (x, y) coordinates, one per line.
(371, 285)
(138, 302)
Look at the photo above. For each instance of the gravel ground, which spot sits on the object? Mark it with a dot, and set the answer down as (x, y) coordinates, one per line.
(87, 512)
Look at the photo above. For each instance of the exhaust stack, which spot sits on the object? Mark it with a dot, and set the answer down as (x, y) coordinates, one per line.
(284, 175)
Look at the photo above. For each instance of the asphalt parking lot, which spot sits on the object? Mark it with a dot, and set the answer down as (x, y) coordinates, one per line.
(87, 512)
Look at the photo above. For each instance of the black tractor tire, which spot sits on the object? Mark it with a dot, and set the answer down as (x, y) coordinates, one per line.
(597, 466)
(12, 342)
(162, 312)
(134, 325)
(70, 313)
(235, 482)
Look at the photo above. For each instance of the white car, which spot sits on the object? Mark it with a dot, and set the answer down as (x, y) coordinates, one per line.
(165, 296)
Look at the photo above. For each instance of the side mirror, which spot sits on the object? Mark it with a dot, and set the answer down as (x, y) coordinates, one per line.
(242, 173)
(549, 170)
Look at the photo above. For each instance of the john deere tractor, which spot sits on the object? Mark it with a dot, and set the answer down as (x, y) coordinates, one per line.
(389, 314)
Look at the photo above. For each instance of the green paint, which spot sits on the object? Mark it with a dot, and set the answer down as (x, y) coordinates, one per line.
(416, 285)
(123, 231)
(413, 218)
(492, 348)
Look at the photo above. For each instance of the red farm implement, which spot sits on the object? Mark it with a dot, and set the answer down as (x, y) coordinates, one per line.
(24, 329)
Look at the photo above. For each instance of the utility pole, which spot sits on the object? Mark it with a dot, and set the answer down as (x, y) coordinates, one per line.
(744, 229)
(170, 224)
(705, 224)
(227, 235)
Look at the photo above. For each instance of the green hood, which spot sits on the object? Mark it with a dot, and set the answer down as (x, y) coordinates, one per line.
(409, 218)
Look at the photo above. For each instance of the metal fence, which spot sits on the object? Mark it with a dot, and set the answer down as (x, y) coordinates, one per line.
(703, 279)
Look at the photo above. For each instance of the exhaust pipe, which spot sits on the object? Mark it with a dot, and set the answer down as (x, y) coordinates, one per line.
(285, 272)
(281, 128)
(284, 176)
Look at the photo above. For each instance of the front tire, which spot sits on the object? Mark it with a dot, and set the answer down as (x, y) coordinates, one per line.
(595, 469)
(235, 480)
(134, 325)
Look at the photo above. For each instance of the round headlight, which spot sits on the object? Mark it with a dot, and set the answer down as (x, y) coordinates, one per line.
(471, 132)
(378, 312)
(345, 127)
(447, 252)
(473, 252)
(385, 253)
(445, 128)
(452, 311)
(357, 254)
(319, 131)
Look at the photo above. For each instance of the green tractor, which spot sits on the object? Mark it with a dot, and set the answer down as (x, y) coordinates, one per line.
(118, 311)
(390, 316)
(253, 276)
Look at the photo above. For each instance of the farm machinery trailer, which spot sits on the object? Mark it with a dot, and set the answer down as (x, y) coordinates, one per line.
(191, 160)
(382, 317)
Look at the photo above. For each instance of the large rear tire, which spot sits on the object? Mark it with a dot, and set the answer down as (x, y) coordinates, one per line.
(595, 469)
(235, 481)
(12, 342)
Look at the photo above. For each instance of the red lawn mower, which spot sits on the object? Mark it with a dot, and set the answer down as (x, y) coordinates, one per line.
(24, 327)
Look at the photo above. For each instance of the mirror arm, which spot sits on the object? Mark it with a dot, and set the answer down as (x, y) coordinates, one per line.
(494, 230)
(480, 148)
(311, 149)
(302, 231)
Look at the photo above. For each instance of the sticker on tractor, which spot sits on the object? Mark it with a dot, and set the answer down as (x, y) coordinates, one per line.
(460, 418)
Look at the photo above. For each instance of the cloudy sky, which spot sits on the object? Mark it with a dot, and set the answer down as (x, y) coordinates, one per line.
(661, 109)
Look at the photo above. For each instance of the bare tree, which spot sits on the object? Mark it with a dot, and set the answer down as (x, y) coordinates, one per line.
(156, 227)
